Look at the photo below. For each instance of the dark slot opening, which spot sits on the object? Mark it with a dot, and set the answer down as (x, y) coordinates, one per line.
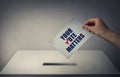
(59, 64)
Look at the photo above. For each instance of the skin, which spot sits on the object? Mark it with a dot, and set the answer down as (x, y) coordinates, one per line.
(99, 28)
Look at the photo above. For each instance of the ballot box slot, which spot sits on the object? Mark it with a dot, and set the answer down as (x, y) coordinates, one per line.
(59, 64)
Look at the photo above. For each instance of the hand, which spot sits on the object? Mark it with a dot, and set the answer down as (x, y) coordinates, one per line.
(96, 26)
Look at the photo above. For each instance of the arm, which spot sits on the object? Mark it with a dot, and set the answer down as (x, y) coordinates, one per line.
(98, 27)
(112, 38)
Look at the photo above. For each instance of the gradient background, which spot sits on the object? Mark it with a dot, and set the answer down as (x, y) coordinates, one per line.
(31, 24)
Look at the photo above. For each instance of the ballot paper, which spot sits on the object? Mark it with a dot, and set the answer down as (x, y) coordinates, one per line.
(70, 38)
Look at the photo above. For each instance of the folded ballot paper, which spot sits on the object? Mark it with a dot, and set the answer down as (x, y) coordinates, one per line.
(70, 38)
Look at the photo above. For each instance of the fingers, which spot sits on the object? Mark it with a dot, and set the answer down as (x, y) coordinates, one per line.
(90, 21)
(89, 24)
(89, 28)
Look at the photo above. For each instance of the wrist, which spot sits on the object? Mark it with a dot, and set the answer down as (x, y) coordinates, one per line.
(106, 34)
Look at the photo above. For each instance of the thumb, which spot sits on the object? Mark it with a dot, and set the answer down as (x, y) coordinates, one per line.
(87, 27)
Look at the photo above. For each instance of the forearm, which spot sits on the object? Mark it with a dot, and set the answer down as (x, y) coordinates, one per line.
(112, 38)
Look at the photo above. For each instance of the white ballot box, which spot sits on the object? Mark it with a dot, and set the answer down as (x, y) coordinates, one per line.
(53, 62)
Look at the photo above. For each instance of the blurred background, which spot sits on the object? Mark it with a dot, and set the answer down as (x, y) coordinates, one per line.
(32, 24)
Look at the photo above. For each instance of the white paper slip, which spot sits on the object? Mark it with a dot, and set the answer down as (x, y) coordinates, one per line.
(70, 38)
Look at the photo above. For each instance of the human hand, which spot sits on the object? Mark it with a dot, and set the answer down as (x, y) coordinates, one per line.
(96, 26)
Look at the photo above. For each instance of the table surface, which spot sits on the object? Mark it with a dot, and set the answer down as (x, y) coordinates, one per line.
(53, 62)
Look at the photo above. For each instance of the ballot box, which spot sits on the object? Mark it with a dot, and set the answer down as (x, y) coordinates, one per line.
(53, 62)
